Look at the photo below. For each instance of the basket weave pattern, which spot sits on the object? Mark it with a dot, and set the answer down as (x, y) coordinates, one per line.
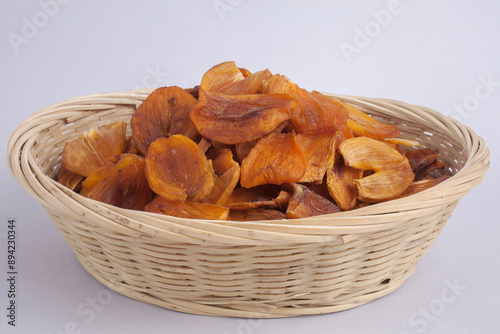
(247, 269)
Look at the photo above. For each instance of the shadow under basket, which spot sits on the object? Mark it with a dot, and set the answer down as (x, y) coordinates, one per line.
(261, 269)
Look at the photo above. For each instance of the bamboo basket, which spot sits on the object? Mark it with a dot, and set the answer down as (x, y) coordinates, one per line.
(262, 269)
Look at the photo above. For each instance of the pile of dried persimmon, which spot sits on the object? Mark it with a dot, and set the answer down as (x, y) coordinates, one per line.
(246, 146)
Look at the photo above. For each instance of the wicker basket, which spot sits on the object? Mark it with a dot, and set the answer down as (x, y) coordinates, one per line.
(247, 269)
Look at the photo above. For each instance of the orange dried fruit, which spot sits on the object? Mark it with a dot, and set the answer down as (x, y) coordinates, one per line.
(232, 119)
(255, 215)
(340, 180)
(220, 77)
(94, 148)
(319, 153)
(229, 175)
(421, 185)
(369, 154)
(315, 112)
(392, 171)
(164, 112)
(130, 146)
(224, 186)
(69, 179)
(187, 209)
(222, 159)
(123, 185)
(276, 159)
(177, 169)
(265, 196)
(306, 203)
(361, 124)
(249, 85)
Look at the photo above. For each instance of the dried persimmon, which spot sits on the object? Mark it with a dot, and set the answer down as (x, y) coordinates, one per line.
(392, 172)
(276, 159)
(94, 148)
(361, 124)
(177, 169)
(319, 152)
(187, 209)
(164, 112)
(255, 214)
(232, 119)
(315, 112)
(305, 203)
(123, 185)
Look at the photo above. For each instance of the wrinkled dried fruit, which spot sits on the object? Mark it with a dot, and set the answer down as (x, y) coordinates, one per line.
(69, 179)
(363, 125)
(164, 112)
(306, 203)
(421, 185)
(227, 175)
(94, 148)
(315, 112)
(187, 209)
(222, 160)
(233, 119)
(176, 169)
(276, 159)
(392, 171)
(266, 196)
(255, 215)
(221, 77)
(319, 152)
(340, 180)
(369, 154)
(250, 85)
(123, 185)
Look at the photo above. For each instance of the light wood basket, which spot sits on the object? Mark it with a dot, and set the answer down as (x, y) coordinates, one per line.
(263, 269)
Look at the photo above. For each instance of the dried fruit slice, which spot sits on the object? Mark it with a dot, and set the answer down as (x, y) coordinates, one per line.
(250, 85)
(265, 196)
(69, 179)
(421, 158)
(164, 112)
(392, 171)
(176, 169)
(94, 148)
(369, 154)
(222, 160)
(220, 77)
(319, 153)
(363, 125)
(421, 185)
(340, 180)
(386, 184)
(224, 186)
(276, 159)
(232, 119)
(229, 171)
(315, 112)
(123, 185)
(187, 209)
(255, 215)
(306, 203)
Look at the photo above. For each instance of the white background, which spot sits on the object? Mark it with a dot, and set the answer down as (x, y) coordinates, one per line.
(441, 54)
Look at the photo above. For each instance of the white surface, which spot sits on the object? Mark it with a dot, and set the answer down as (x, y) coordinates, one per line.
(436, 54)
